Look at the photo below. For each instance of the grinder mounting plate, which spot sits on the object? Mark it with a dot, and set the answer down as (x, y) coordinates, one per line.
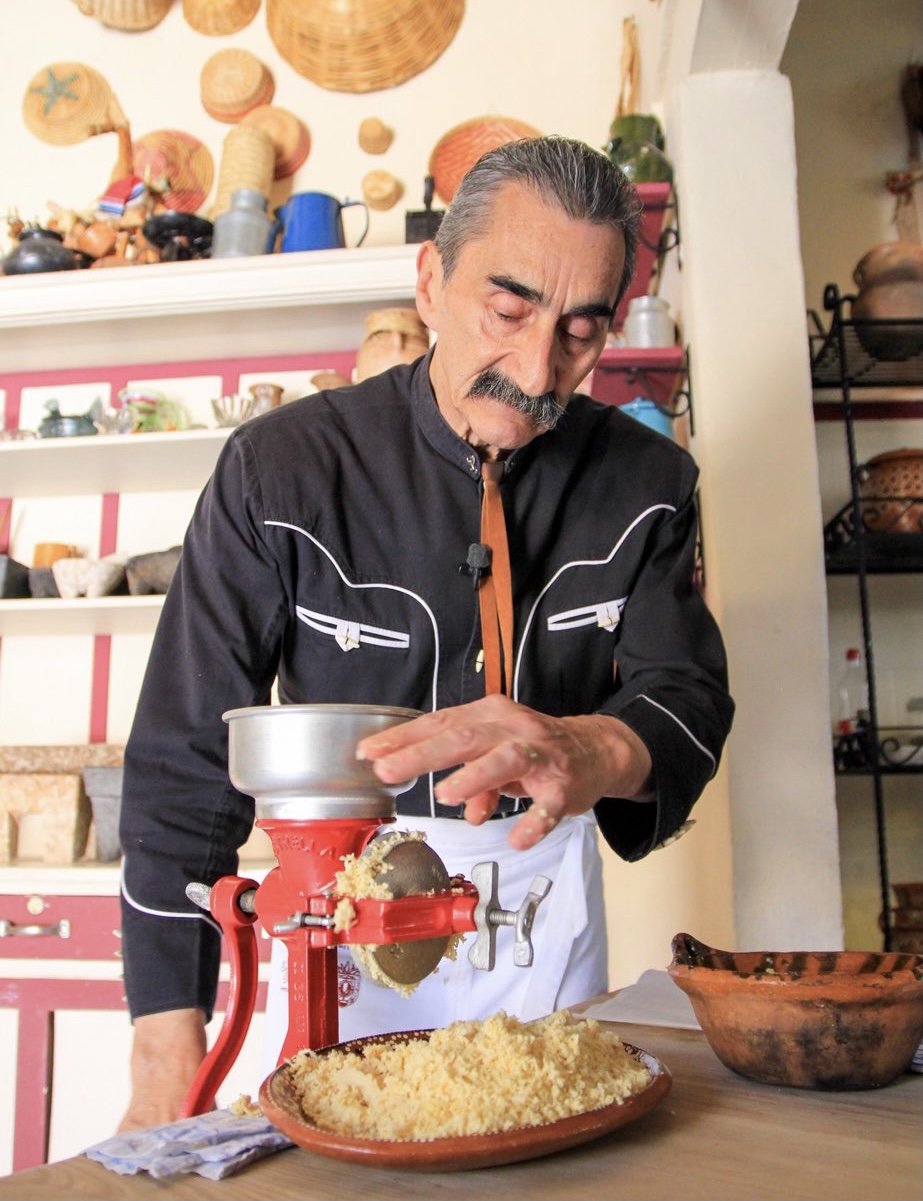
(407, 867)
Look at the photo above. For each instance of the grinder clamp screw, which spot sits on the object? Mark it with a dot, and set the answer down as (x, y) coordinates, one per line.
(488, 915)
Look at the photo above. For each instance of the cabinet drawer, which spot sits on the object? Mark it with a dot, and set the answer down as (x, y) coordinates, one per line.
(46, 926)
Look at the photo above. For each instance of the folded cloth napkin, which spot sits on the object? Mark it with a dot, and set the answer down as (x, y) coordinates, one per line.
(215, 1145)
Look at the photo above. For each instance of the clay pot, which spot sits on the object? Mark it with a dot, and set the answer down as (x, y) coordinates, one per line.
(807, 1019)
(891, 485)
(890, 280)
(39, 250)
(392, 336)
(98, 239)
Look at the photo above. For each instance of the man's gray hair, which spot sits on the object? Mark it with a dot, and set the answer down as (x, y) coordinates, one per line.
(565, 173)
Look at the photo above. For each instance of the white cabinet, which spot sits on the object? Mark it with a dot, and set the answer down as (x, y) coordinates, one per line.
(89, 332)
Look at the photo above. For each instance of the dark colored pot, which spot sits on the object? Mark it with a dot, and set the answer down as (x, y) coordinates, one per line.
(39, 250)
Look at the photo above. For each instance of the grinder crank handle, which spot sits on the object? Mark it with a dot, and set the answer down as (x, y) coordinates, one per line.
(230, 901)
(488, 916)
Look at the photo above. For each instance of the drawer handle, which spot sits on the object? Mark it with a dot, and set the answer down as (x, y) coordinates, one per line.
(61, 929)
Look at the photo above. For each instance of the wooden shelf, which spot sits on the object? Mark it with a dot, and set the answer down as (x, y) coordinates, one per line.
(263, 304)
(626, 372)
(153, 462)
(53, 616)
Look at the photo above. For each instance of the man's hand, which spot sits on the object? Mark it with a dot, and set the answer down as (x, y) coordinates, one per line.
(565, 764)
(165, 1055)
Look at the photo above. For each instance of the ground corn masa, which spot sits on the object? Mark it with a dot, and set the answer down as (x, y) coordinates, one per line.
(476, 1077)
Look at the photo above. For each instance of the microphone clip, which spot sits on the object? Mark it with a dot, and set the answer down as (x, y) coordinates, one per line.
(477, 563)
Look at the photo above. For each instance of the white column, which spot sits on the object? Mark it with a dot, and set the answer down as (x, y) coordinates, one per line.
(732, 138)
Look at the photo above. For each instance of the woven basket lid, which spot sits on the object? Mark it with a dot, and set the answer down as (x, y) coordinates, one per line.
(233, 82)
(182, 160)
(64, 101)
(247, 160)
(290, 137)
(362, 45)
(218, 18)
(131, 16)
(459, 149)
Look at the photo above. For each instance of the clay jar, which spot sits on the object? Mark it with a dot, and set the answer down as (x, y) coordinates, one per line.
(265, 397)
(392, 336)
(889, 276)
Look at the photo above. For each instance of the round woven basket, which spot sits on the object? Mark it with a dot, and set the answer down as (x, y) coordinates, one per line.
(459, 149)
(218, 18)
(64, 102)
(362, 45)
(131, 16)
(182, 160)
(232, 83)
(247, 161)
(290, 138)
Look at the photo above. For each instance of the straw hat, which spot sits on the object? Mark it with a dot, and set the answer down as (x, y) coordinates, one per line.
(64, 102)
(131, 16)
(233, 82)
(217, 18)
(247, 160)
(362, 45)
(460, 148)
(182, 160)
(290, 137)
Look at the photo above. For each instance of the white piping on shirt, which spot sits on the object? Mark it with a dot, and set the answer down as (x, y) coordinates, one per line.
(596, 563)
(567, 567)
(196, 917)
(689, 734)
(390, 588)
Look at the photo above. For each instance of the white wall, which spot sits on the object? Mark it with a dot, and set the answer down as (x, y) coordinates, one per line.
(513, 59)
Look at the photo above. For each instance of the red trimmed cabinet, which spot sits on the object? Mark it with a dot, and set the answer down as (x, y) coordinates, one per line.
(60, 964)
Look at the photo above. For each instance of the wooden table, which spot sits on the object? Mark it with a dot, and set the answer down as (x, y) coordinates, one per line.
(714, 1136)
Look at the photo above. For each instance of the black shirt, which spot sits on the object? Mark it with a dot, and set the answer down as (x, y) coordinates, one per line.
(325, 552)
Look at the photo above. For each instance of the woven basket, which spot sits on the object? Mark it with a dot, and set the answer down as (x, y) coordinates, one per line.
(381, 190)
(182, 160)
(218, 18)
(290, 138)
(374, 136)
(247, 161)
(459, 149)
(64, 102)
(131, 16)
(362, 45)
(232, 83)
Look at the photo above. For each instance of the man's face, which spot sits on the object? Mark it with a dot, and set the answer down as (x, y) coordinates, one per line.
(521, 321)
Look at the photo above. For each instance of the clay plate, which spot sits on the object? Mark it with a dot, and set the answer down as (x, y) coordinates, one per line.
(463, 1152)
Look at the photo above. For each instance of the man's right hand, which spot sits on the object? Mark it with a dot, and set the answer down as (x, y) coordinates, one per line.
(165, 1055)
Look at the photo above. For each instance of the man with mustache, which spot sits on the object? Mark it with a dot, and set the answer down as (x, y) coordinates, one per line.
(332, 553)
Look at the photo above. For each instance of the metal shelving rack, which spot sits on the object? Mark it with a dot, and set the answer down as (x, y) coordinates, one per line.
(854, 355)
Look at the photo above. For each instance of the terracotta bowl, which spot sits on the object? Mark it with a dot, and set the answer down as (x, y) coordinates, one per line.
(807, 1019)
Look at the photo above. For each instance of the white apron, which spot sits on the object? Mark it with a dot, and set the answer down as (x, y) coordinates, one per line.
(568, 936)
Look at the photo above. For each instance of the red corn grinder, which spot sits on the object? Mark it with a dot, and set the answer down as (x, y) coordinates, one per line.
(319, 804)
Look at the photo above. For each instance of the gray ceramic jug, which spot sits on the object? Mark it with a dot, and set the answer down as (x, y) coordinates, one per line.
(244, 228)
